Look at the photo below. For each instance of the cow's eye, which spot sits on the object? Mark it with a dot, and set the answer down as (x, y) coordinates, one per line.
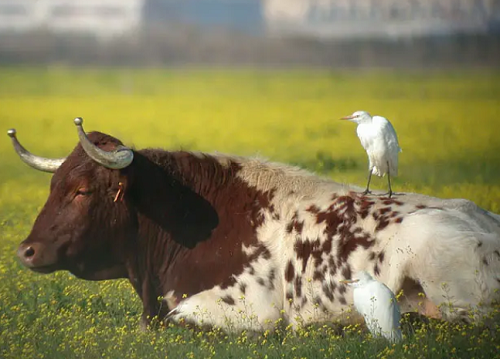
(83, 192)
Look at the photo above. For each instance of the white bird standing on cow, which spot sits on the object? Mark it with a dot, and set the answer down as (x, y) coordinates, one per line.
(379, 139)
(377, 304)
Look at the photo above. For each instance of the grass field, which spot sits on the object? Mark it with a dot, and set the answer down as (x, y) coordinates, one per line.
(448, 125)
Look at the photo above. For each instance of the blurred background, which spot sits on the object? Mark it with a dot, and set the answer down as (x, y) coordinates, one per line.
(245, 77)
(267, 77)
(341, 33)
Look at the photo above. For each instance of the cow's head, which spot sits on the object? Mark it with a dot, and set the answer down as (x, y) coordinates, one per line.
(85, 221)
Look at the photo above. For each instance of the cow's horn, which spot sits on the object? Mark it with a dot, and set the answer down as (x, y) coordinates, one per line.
(39, 163)
(117, 159)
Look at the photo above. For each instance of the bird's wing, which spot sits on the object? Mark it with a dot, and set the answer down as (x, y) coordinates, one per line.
(362, 302)
(386, 131)
(363, 132)
(381, 308)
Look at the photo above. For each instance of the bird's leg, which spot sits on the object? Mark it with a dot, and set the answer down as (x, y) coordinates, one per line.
(367, 190)
(389, 180)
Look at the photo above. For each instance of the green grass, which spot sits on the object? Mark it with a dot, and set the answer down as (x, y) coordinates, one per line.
(447, 123)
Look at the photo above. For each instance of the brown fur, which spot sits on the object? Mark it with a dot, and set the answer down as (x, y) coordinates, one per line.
(170, 232)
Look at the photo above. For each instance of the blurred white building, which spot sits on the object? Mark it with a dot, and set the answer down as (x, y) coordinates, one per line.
(379, 18)
(102, 18)
(318, 18)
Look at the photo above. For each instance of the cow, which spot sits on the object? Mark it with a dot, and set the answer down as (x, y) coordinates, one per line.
(244, 243)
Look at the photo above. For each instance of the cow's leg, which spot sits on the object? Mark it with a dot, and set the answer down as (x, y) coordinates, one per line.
(415, 299)
(145, 320)
(154, 310)
(229, 309)
(149, 311)
(431, 310)
(453, 260)
(152, 306)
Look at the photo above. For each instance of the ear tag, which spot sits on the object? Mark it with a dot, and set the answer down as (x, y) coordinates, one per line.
(120, 193)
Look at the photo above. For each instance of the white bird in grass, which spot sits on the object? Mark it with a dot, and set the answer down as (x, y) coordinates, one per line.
(379, 139)
(377, 304)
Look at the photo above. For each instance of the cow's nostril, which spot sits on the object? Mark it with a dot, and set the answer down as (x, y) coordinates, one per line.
(29, 252)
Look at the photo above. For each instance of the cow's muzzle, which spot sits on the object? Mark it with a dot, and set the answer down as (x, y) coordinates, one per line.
(35, 257)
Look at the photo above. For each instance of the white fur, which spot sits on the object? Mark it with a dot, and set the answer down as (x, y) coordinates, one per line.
(436, 246)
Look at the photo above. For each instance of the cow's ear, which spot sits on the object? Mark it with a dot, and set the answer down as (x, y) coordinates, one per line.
(193, 218)
(184, 215)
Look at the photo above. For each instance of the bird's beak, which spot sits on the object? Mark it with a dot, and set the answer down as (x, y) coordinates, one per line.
(346, 118)
(347, 281)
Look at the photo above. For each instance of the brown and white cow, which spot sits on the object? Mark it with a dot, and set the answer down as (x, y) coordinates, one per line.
(240, 242)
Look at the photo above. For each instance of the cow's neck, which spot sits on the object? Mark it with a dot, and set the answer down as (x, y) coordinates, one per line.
(174, 194)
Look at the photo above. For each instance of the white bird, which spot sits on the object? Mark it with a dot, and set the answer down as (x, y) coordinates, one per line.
(377, 304)
(379, 139)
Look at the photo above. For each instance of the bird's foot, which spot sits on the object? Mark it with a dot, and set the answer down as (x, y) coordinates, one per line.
(388, 194)
(366, 191)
